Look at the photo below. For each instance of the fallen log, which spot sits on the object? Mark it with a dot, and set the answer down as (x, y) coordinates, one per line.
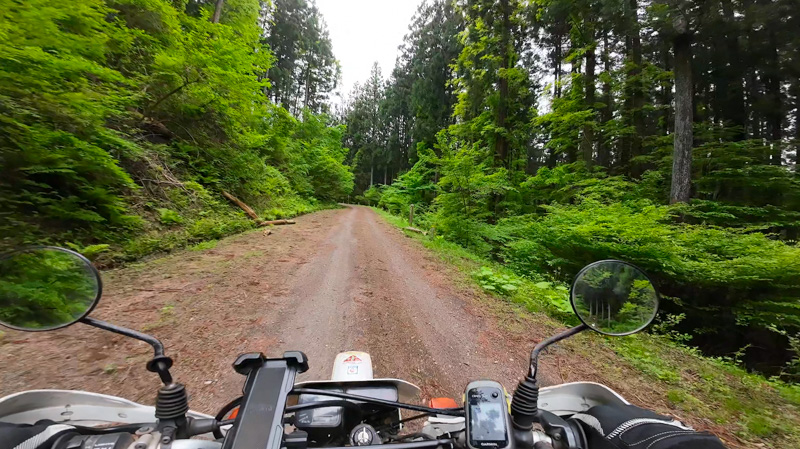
(239, 203)
(418, 231)
(276, 222)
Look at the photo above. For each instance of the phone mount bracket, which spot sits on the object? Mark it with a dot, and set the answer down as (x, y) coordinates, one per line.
(259, 424)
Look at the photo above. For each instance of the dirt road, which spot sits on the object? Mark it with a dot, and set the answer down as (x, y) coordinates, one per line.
(338, 280)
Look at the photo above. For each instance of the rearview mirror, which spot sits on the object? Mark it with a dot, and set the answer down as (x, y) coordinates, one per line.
(614, 298)
(45, 288)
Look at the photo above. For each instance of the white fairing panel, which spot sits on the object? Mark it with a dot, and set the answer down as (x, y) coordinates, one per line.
(576, 397)
(75, 407)
(352, 365)
(353, 369)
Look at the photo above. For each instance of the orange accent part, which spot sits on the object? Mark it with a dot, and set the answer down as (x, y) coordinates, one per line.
(234, 413)
(352, 359)
(442, 403)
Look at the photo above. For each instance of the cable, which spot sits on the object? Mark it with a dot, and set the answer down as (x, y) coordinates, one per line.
(418, 408)
(124, 428)
(224, 411)
(396, 423)
(321, 404)
(424, 436)
(412, 445)
(228, 407)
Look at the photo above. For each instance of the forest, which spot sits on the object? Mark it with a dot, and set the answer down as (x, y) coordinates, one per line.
(125, 123)
(540, 134)
(547, 134)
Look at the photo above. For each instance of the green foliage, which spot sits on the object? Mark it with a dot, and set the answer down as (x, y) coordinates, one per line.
(373, 195)
(547, 178)
(119, 115)
(43, 288)
(305, 69)
(391, 122)
(169, 217)
(91, 252)
(710, 389)
(468, 187)
(203, 228)
(502, 284)
(666, 326)
(727, 271)
(416, 186)
(202, 246)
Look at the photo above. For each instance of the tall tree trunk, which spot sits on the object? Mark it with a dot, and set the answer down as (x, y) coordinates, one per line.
(666, 93)
(587, 144)
(501, 143)
(532, 162)
(734, 106)
(772, 84)
(552, 159)
(636, 89)
(307, 82)
(606, 114)
(797, 127)
(557, 57)
(217, 11)
(682, 153)
(752, 94)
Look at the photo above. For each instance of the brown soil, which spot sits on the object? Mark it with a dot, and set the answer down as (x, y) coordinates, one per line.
(337, 280)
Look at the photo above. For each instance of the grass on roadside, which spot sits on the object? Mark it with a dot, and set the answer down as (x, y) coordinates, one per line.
(200, 231)
(745, 409)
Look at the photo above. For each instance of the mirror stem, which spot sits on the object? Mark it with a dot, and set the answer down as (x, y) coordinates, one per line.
(160, 363)
(158, 347)
(554, 339)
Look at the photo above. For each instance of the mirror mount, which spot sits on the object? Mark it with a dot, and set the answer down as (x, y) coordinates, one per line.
(172, 401)
(610, 297)
(554, 339)
(47, 288)
(525, 401)
(159, 364)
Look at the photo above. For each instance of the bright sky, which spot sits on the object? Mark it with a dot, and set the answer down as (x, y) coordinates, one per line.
(365, 31)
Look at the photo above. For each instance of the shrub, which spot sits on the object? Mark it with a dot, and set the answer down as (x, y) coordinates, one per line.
(168, 216)
(503, 284)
